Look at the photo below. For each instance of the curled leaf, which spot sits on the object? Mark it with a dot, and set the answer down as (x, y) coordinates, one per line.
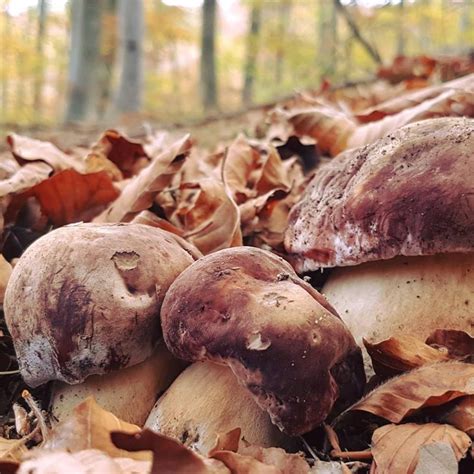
(140, 191)
(396, 448)
(69, 196)
(401, 354)
(27, 150)
(169, 455)
(458, 344)
(428, 386)
(461, 415)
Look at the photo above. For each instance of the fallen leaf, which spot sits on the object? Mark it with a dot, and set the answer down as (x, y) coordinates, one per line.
(89, 427)
(148, 218)
(428, 386)
(461, 415)
(69, 196)
(401, 354)
(120, 150)
(25, 178)
(26, 150)
(81, 462)
(140, 192)
(437, 457)
(227, 442)
(396, 448)
(169, 455)
(210, 218)
(458, 344)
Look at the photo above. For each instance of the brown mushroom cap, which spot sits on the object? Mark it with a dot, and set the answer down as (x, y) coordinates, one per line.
(410, 193)
(85, 299)
(247, 308)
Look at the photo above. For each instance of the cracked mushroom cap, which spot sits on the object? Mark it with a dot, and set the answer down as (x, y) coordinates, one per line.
(85, 299)
(246, 308)
(410, 193)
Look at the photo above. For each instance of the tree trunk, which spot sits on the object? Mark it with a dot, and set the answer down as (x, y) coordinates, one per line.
(39, 76)
(108, 54)
(284, 9)
(401, 29)
(128, 98)
(208, 55)
(250, 67)
(84, 60)
(6, 56)
(328, 36)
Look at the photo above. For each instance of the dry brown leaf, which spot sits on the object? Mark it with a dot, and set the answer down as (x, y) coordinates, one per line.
(169, 455)
(25, 178)
(27, 150)
(401, 354)
(81, 462)
(148, 218)
(464, 88)
(89, 427)
(95, 162)
(8, 165)
(210, 218)
(370, 132)
(458, 344)
(396, 448)
(12, 449)
(428, 386)
(461, 416)
(69, 196)
(140, 192)
(127, 155)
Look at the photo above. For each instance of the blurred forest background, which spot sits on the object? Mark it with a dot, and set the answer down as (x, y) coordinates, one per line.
(105, 61)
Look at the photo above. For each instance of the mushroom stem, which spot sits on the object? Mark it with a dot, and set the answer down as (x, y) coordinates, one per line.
(206, 401)
(404, 295)
(128, 393)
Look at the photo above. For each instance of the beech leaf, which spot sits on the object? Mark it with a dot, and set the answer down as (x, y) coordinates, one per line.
(429, 386)
(140, 191)
(396, 448)
(89, 427)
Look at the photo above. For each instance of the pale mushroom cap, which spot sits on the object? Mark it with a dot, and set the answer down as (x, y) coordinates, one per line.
(410, 193)
(85, 299)
(247, 308)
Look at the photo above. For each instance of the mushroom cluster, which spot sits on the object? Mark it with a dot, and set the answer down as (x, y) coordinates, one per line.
(88, 304)
(397, 220)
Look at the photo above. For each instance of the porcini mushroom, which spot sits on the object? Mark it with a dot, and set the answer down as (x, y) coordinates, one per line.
(246, 308)
(85, 299)
(397, 219)
(206, 401)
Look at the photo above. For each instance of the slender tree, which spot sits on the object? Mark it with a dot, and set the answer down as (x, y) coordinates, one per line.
(84, 60)
(284, 10)
(208, 55)
(128, 97)
(327, 38)
(250, 67)
(40, 38)
(401, 28)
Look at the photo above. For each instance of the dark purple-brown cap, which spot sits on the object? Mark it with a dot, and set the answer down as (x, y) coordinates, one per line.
(409, 193)
(247, 308)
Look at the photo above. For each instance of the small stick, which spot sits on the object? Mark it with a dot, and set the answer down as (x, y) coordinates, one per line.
(357, 455)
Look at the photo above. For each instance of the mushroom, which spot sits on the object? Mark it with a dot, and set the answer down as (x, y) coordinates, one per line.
(246, 308)
(85, 299)
(206, 401)
(397, 219)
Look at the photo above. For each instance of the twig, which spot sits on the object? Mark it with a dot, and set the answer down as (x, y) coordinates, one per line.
(337, 452)
(10, 372)
(310, 449)
(37, 412)
(374, 54)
